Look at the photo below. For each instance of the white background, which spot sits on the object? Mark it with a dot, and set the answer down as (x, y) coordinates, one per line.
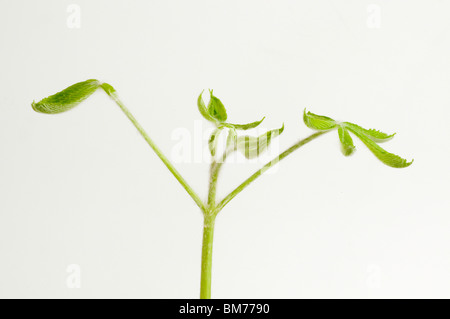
(83, 188)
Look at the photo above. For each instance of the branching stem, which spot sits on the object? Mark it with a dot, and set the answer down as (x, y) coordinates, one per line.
(210, 210)
(158, 152)
(216, 113)
(261, 171)
(213, 209)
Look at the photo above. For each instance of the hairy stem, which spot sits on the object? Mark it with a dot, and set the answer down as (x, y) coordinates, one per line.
(214, 175)
(207, 248)
(158, 152)
(261, 171)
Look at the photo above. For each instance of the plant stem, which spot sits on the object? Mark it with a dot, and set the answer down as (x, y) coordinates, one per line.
(208, 230)
(212, 210)
(207, 247)
(158, 152)
(213, 174)
(261, 171)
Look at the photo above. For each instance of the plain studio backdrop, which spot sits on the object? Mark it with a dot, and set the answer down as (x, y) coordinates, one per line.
(87, 210)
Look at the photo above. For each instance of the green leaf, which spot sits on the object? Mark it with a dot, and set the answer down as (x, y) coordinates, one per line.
(203, 110)
(374, 135)
(216, 113)
(216, 108)
(252, 147)
(66, 99)
(383, 155)
(318, 122)
(369, 137)
(213, 140)
(347, 146)
(245, 126)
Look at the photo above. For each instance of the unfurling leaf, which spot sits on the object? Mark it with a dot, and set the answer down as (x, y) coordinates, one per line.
(374, 135)
(245, 126)
(252, 147)
(318, 122)
(347, 146)
(216, 113)
(383, 155)
(66, 99)
(369, 137)
(216, 108)
(203, 110)
(213, 140)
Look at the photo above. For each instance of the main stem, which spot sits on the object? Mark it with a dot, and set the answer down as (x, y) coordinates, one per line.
(212, 209)
(207, 248)
(208, 230)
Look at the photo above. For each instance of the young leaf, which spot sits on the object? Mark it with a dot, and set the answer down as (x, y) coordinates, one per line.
(383, 155)
(373, 134)
(347, 146)
(245, 126)
(213, 140)
(67, 98)
(216, 108)
(203, 110)
(252, 147)
(318, 122)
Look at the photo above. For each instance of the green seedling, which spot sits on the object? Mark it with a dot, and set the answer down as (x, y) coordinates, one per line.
(249, 146)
